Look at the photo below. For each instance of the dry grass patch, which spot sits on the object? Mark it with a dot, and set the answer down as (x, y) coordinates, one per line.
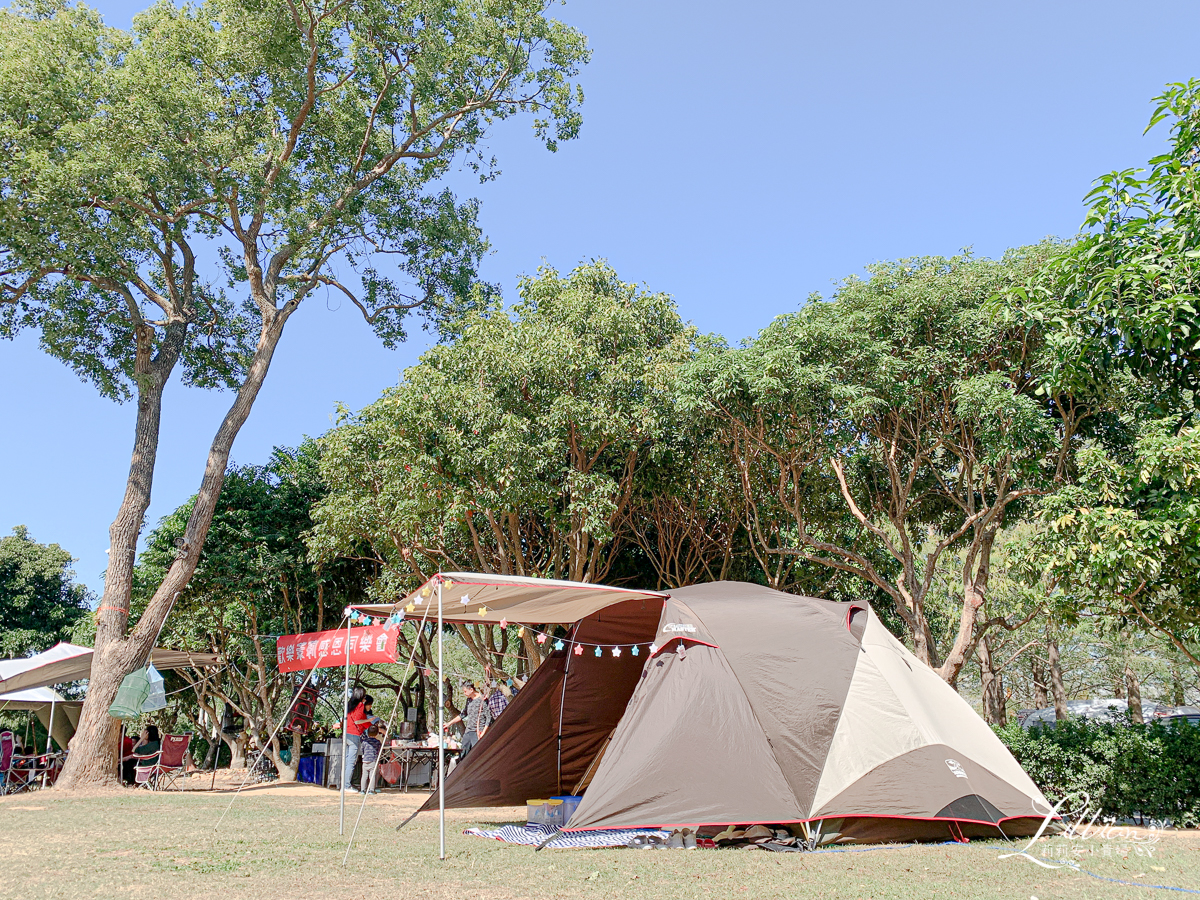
(282, 842)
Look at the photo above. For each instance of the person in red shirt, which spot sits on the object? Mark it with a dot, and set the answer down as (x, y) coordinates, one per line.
(357, 723)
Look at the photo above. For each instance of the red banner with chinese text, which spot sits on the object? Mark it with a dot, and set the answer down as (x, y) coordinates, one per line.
(323, 649)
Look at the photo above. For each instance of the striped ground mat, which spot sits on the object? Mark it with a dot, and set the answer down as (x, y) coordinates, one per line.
(532, 835)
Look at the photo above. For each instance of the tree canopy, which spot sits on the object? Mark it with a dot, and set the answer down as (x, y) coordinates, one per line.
(900, 420)
(514, 448)
(40, 603)
(171, 194)
(1127, 292)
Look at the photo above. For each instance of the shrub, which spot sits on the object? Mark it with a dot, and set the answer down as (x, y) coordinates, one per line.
(1123, 769)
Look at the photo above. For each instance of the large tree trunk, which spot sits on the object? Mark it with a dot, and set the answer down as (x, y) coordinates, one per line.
(237, 744)
(1133, 692)
(1041, 695)
(93, 757)
(214, 748)
(994, 711)
(1057, 690)
(94, 749)
(976, 569)
(287, 771)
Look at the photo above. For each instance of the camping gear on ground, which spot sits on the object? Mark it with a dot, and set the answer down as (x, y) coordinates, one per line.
(311, 769)
(262, 769)
(169, 768)
(391, 772)
(745, 705)
(28, 773)
(333, 763)
(544, 812)
(569, 803)
(536, 835)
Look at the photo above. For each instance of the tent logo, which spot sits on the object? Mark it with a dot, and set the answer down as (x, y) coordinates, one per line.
(679, 626)
(956, 767)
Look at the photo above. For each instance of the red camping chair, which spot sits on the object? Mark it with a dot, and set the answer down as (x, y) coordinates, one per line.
(6, 758)
(169, 766)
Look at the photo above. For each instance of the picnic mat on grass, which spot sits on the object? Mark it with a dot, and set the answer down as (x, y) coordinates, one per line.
(532, 835)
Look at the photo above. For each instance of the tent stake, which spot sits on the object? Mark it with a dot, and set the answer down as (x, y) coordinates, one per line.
(543, 844)
(409, 819)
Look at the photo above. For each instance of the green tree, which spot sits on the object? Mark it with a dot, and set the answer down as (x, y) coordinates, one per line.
(1127, 293)
(1124, 541)
(40, 603)
(253, 581)
(895, 424)
(515, 448)
(170, 195)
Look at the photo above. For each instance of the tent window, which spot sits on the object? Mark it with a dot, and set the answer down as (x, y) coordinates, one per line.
(856, 621)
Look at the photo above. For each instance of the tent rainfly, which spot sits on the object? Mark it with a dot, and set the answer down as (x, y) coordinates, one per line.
(754, 707)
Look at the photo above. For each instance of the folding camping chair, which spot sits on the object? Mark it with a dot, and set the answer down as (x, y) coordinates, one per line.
(6, 757)
(169, 766)
(25, 773)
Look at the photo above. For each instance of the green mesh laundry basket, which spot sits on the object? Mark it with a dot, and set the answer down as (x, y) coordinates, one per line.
(132, 693)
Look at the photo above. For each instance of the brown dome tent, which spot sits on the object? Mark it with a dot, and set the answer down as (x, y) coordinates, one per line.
(751, 707)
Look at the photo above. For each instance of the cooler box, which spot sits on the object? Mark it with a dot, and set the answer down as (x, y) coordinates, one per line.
(312, 769)
(544, 812)
(569, 802)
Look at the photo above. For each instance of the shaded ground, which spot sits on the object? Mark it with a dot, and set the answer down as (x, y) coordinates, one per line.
(281, 841)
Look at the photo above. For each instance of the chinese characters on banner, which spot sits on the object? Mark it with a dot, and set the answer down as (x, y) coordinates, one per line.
(322, 649)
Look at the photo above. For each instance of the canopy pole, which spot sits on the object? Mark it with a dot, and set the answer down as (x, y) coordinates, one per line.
(441, 738)
(342, 775)
(562, 702)
(49, 747)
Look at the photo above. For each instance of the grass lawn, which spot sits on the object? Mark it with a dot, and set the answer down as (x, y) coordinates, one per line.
(282, 842)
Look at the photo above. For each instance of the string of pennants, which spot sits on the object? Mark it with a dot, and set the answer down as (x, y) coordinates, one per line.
(559, 642)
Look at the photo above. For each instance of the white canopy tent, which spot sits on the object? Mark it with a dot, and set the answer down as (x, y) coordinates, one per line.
(69, 662)
(58, 715)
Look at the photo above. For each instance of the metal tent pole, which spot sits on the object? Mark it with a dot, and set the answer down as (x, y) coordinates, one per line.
(441, 738)
(49, 748)
(345, 728)
(562, 700)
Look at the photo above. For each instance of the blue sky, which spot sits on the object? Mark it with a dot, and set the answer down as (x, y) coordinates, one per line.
(738, 156)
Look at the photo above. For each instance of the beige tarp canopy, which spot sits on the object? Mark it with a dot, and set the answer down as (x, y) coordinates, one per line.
(46, 704)
(542, 601)
(68, 662)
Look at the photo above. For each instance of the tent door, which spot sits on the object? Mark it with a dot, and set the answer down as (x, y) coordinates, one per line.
(592, 766)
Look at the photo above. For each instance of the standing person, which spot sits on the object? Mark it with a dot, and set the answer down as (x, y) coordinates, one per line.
(356, 724)
(497, 700)
(475, 718)
(371, 745)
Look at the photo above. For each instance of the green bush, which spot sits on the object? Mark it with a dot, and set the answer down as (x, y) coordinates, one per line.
(1145, 772)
